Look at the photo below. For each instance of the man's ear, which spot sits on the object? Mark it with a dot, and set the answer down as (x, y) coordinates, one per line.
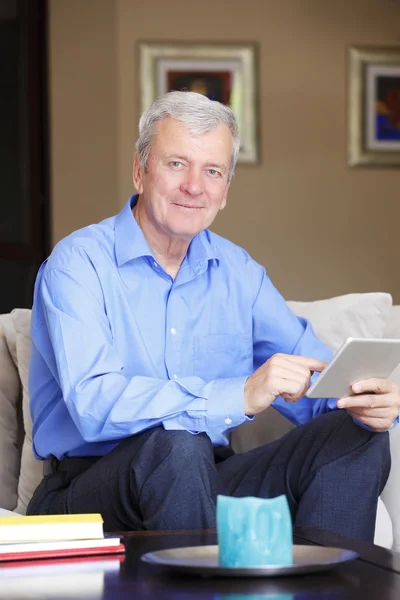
(137, 174)
(224, 199)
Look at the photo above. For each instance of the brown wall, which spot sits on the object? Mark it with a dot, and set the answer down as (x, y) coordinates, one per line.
(320, 228)
(83, 113)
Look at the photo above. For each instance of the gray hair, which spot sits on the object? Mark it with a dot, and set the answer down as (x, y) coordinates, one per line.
(197, 112)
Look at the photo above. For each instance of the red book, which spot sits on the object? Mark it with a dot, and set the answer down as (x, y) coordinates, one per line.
(60, 549)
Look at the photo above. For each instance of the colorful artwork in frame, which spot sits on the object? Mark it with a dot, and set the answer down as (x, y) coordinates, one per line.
(383, 130)
(215, 85)
(374, 107)
(223, 72)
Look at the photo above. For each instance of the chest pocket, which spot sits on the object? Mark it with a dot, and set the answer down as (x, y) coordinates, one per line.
(222, 355)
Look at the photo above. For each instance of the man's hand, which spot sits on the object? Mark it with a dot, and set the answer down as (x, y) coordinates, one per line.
(282, 375)
(376, 403)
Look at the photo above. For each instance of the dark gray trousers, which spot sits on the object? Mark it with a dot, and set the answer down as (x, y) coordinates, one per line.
(331, 470)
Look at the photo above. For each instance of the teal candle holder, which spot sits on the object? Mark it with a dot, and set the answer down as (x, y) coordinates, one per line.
(254, 532)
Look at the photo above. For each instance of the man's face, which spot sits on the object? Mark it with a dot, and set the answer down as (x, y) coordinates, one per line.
(186, 182)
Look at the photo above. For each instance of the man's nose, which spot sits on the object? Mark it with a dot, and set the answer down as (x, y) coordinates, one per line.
(193, 183)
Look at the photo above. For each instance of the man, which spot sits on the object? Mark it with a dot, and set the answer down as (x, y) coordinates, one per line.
(153, 337)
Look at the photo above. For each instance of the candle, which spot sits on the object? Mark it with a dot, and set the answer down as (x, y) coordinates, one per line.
(254, 532)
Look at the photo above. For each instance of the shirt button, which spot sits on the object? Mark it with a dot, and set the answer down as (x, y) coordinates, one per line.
(175, 376)
(228, 421)
(155, 264)
(173, 330)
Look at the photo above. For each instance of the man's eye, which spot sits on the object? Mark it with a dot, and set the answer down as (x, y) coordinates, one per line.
(213, 172)
(176, 163)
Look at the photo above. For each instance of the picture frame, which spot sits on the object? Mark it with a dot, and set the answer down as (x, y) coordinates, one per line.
(374, 107)
(224, 72)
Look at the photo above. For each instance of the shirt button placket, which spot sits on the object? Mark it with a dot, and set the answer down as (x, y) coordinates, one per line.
(174, 336)
(175, 354)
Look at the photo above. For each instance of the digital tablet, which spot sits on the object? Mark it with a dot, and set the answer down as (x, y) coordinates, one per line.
(356, 359)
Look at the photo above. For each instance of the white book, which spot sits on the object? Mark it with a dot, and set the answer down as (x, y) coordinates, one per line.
(107, 542)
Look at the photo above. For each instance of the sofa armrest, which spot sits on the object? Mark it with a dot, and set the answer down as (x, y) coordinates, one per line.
(391, 493)
(11, 427)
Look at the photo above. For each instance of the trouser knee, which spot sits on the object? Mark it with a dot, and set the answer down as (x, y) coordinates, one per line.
(172, 454)
(369, 449)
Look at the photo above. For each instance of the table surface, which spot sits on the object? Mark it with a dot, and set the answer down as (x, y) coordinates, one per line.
(376, 574)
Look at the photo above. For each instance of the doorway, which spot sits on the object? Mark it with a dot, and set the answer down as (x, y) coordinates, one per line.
(24, 149)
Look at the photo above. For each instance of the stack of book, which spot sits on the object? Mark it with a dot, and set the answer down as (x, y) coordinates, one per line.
(55, 536)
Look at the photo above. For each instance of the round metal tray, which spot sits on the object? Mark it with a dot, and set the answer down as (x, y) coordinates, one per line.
(203, 560)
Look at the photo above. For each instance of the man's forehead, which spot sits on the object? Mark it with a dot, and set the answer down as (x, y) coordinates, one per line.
(171, 136)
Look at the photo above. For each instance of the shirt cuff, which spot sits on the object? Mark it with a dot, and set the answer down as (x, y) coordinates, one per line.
(225, 403)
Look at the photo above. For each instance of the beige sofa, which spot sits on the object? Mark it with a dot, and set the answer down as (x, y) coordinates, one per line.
(357, 315)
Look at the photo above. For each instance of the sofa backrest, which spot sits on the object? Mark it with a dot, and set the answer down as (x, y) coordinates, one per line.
(334, 319)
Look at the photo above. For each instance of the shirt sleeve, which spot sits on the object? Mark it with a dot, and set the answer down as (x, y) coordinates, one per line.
(103, 402)
(278, 330)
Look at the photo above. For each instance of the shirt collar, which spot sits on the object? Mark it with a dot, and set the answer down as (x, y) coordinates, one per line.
(131, 243)
(201, 250)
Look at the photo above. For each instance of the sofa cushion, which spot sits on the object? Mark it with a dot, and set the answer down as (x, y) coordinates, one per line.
(11, 431)
(334, 319)
(392, 329)
(391, 493)
(352, 315)
(31, 469)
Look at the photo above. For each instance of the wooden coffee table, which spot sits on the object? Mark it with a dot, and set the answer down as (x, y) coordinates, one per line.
(376, 574)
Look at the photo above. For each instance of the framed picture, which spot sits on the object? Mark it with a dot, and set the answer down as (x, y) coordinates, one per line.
(374, 107)
(223, 72)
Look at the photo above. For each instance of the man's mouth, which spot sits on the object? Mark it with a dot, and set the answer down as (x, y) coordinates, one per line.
(189, 206)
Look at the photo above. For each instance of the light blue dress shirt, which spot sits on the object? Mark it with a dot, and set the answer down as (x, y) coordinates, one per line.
(118, 346)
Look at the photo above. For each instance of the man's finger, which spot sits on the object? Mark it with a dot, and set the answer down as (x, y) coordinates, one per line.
(366, 401)
(292, 391)
(378, 413)
(302, 375)
(313, 364)
(375, 424)
(290, 367)
(374, 385)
